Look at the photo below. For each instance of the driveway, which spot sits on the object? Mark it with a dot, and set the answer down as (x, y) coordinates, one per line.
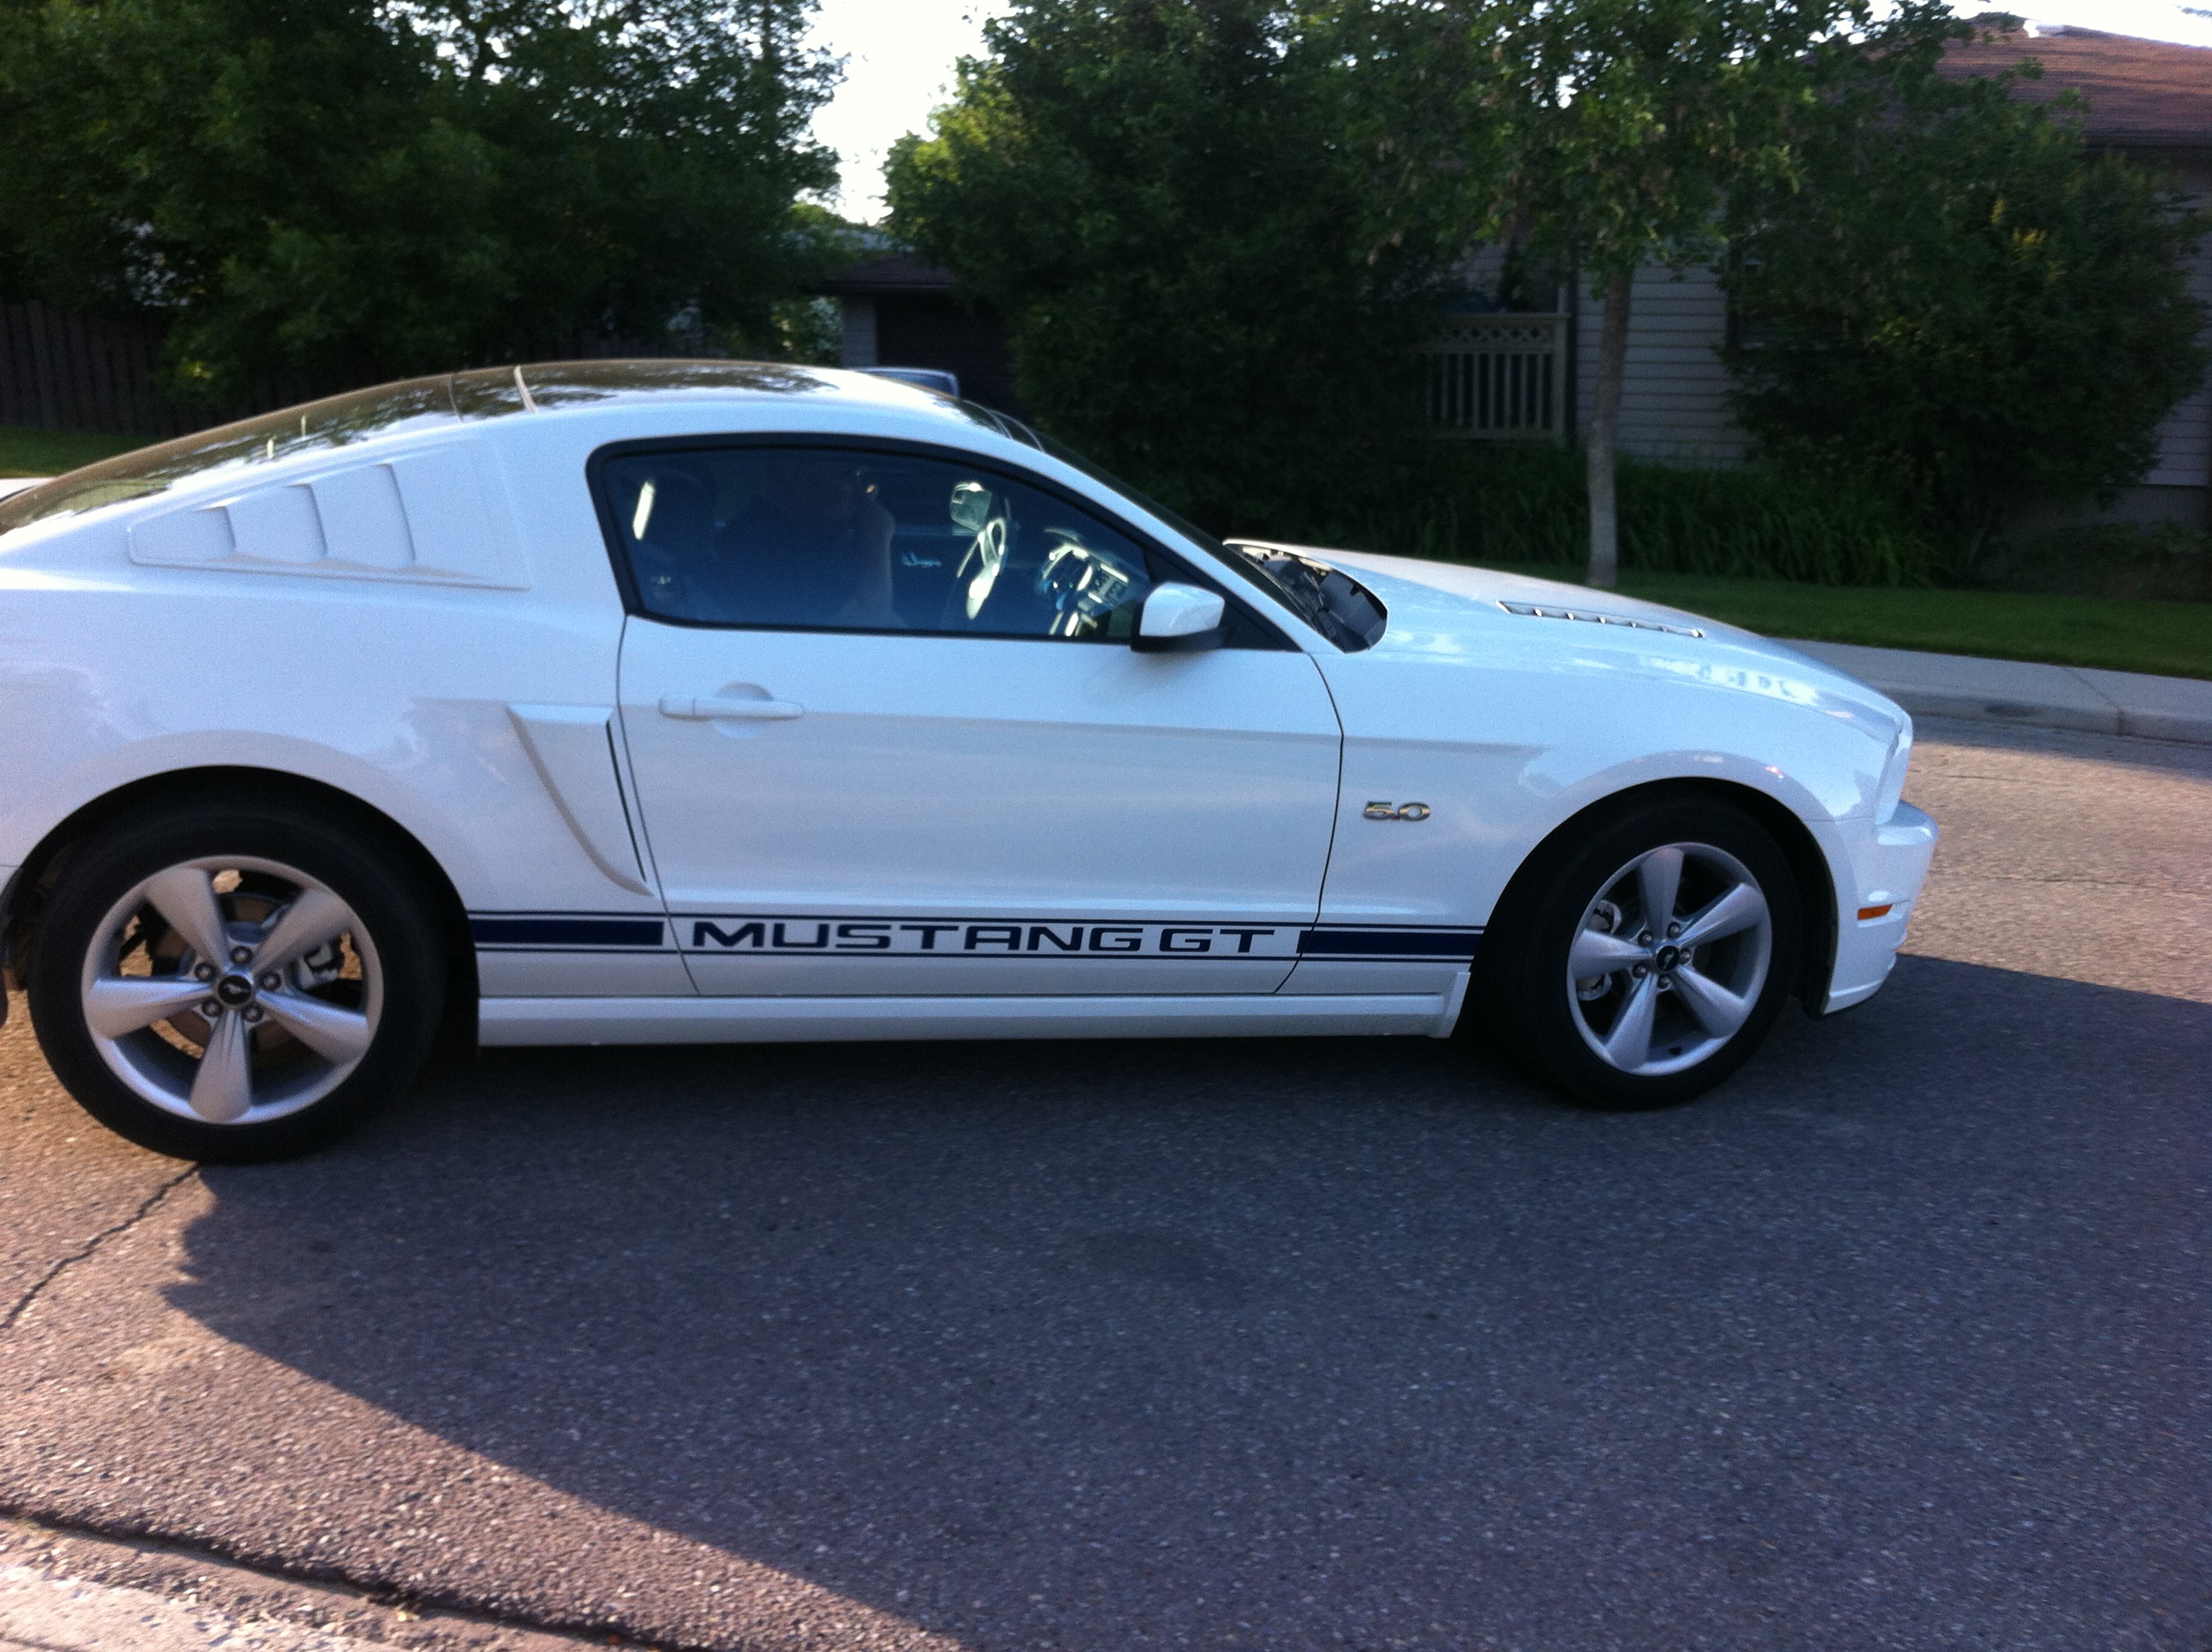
(1898, 1339)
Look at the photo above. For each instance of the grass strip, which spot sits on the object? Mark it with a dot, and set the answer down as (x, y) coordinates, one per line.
(26, 452)
(2169, 639)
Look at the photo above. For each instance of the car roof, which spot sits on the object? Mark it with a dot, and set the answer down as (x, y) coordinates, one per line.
(554, 385)
(564, 387)
(408, 406)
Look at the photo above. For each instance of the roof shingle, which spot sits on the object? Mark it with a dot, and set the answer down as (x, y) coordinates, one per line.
(2141, 94)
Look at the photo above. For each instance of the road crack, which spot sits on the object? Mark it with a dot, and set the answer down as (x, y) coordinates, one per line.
(91, 1247)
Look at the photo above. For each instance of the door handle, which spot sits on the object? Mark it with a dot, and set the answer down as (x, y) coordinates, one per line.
(711, 707)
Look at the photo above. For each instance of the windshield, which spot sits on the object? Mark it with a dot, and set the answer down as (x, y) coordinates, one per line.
(1327, 598)
(332, 423)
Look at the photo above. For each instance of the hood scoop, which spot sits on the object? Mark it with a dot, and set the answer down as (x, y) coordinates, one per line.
(1540, 610)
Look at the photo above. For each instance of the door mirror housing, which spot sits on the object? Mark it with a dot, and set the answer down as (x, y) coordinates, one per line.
(1180, 619)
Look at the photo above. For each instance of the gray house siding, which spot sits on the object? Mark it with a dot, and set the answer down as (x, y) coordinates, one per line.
(2184, 440)
(1674, 394)
(1674, 397)
(2147, 99)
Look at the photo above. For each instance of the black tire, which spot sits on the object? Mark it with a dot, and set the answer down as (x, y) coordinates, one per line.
(298, 1098)
(1554, 1027)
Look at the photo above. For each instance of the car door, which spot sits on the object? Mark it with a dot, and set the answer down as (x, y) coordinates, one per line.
(889, 738)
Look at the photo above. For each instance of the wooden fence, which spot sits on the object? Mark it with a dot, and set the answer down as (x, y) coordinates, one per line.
(1491, 375)
(1499, 376)
(64, 370)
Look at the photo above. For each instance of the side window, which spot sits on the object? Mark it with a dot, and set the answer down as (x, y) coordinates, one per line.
(825, 538)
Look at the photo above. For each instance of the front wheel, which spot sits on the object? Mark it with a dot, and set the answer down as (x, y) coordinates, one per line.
(231, 985)
(1647, 959)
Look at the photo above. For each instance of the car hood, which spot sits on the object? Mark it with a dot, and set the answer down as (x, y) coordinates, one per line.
(1450, 608)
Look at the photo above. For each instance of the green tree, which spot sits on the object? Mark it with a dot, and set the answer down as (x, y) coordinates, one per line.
(1608, 135)
(315, 192)
(1957, 300)
(1166, 201)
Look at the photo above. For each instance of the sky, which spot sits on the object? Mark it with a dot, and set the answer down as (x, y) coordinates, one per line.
(899, 60)
(900, 56)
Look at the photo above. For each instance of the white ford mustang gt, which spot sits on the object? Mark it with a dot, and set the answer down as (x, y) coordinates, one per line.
(692, 701)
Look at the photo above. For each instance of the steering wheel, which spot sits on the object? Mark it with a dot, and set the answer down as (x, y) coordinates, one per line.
(1085, 587)
(985, 555)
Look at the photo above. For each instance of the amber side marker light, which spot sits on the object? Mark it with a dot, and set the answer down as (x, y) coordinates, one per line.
(1866, 913)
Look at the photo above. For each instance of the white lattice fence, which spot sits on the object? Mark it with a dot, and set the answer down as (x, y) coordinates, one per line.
(1498, 375)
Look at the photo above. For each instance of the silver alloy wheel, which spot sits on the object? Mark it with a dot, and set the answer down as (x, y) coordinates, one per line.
(232, 990)
(1669, 959)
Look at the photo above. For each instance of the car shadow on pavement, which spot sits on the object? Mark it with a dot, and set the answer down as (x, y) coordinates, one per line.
(1893, 1340)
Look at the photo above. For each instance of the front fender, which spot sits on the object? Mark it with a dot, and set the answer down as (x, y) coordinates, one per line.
(1506, 743)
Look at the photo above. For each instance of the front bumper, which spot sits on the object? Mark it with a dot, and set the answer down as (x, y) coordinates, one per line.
(1876, 866)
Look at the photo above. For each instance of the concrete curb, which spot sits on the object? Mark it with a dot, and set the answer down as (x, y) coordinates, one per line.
(2036, 696)
(63, 1591)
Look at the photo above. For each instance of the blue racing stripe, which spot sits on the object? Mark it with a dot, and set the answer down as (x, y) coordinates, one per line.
(1457, 944)
(567, 932)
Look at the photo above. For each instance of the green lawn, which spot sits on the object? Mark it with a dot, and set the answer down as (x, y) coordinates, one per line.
(2173, 639)
(48, 452)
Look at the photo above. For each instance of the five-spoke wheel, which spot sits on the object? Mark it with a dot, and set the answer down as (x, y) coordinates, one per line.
(1642, 959)
(1669, 959)
(258, 976)
(234, 984)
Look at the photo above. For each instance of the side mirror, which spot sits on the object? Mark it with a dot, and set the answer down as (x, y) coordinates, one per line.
(1180, 619)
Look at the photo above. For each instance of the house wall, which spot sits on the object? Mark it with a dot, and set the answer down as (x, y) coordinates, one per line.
(2185, 439)
(928, 329)
(1673, 402)
(856, 340)
(1673, 397)
(2178, 488)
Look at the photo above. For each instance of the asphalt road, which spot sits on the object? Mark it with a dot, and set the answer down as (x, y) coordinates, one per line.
(1899, 1339)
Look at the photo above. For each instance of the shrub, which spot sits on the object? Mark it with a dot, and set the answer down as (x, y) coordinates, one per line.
(1163, 200)
(1527, 503)
(321, 193)
(2165, 562)
(1960, 303)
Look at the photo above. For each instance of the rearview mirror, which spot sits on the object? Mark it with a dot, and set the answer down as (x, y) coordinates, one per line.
(971, 506)
(1180, 619)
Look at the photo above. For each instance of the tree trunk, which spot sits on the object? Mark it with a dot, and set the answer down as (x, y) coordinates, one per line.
(1605, 432)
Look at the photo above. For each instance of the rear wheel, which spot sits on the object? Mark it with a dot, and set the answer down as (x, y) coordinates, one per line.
(231, 985)
(1645, 959)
